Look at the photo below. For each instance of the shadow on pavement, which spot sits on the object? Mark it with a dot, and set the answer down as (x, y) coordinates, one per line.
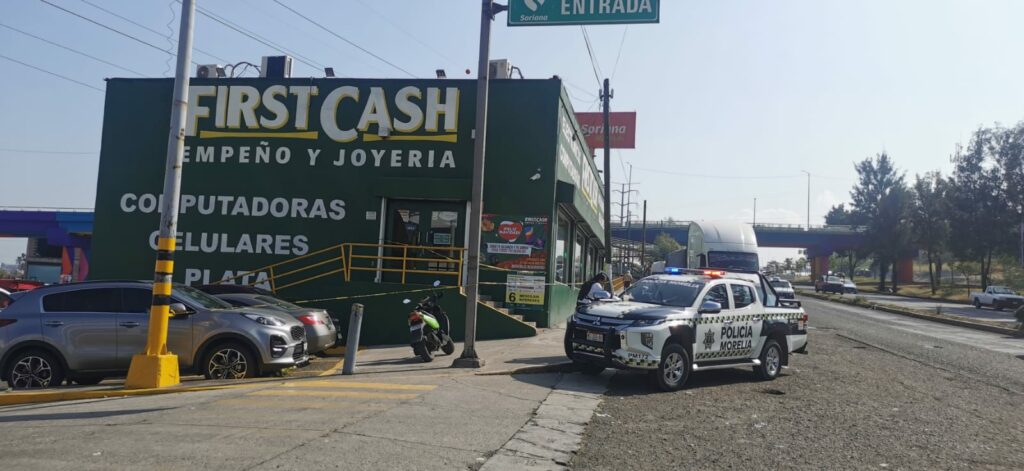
(629, 383)
(76, 415)
(546, 360)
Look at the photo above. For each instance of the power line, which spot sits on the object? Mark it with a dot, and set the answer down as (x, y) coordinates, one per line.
(115, 30)
(617, 55)
(147, 28)
(51, 73)
(343, 39)
(590, 51)
(37, 151)
(72, 50)
(407, 33)
(308, 32)
(260, 39)
(579, 88)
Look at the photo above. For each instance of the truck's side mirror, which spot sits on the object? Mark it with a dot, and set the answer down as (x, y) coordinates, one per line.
(178, 309)
(710, 307)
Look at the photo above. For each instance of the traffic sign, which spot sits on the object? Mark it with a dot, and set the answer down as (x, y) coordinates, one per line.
(582, 12)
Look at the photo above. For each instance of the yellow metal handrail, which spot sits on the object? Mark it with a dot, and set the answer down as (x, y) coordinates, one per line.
(448, 262)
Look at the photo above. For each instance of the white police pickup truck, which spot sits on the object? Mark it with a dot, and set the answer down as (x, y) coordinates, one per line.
(686, 321)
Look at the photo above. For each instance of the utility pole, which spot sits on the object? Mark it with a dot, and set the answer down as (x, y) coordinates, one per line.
(606, 97)
(469, 358)
(156, 367)
(755, 212)
(808, 198)
(643, 238)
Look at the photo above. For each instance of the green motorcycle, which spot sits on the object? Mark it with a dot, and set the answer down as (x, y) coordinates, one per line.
(428, 327)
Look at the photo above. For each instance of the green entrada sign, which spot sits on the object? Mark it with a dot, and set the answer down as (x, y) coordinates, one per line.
(581, 12)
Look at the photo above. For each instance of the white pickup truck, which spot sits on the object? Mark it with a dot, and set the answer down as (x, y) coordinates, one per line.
(997, 297)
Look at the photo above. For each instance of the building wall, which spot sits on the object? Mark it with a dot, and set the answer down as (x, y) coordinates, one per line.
(241, 167)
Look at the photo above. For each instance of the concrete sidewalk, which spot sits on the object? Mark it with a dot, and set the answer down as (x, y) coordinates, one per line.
(395, 413)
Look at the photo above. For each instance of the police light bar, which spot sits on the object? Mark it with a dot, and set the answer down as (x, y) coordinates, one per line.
(674, 270)
(692, 271)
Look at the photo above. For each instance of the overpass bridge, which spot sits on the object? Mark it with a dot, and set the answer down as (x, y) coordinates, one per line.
(820, 242)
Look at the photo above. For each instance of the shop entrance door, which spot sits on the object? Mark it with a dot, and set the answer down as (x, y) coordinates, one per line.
(430, 229)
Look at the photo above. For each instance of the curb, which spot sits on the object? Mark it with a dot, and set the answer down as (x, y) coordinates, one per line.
(16, 398)
(918, 315)
(564, 367)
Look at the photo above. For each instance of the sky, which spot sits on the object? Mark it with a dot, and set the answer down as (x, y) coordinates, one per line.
(735, 98)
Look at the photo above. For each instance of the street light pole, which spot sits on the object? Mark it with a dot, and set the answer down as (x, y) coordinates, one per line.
(755, 212)
(469, 358)
(157, 367)
(808, 198)
(606, 101)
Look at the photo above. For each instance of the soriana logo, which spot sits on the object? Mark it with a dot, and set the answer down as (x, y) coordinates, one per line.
(509, 230)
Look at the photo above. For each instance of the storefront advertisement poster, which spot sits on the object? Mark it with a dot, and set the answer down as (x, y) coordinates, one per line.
(515, 242)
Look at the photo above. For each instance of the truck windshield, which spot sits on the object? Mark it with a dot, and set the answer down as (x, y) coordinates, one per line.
(733, 260)
(665, 292)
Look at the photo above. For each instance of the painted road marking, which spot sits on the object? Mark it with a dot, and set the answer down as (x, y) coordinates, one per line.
(326, 394)
(356, 385)
(278, 404)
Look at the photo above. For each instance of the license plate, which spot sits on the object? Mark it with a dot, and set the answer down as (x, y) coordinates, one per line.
(595, 337)
(413, 328)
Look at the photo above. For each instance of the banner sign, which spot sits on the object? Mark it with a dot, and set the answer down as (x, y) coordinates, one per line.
(525, 289)
(515, 242)
(623, 125)
(582, 12)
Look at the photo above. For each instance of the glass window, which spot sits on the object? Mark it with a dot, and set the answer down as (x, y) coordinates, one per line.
(742, 296)
(733, 260)
(562, 250)
(199, 298)
(664, 292)
(718, 294)
(136, 300)
(577, 259)
(84, 300)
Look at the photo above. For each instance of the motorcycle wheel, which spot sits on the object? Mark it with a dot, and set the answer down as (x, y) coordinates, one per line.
(449, 346)
(423, 352)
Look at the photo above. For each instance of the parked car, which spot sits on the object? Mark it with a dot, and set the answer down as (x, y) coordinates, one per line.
(5, 298)
(849, 287)
(85, 332)
(783, 288)
(998, 297)
(829, 284)
(321, 332)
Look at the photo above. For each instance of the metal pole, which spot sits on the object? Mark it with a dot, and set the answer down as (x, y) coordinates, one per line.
(1022, 239)
(355, 325)
(755, 212)
(469, 358)
(808, 198)
(157, 367)
(643, 238)
(606, 97)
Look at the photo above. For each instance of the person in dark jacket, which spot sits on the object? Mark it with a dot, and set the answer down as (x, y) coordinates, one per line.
(591, 287)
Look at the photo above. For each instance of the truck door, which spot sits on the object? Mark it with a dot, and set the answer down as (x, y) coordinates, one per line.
(745, 337)
(707, 342)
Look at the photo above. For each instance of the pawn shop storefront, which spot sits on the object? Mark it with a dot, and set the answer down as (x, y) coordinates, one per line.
(335, 191)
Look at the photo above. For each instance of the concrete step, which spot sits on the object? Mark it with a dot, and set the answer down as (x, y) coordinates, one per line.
(531, 324)
(518, 317)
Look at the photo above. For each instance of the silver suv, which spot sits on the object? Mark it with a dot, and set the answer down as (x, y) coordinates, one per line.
(84, 332)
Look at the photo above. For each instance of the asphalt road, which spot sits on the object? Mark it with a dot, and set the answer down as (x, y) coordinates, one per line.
(958, 309)
(877, 391)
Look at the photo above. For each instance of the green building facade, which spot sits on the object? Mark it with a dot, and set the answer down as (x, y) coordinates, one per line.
(336, 191)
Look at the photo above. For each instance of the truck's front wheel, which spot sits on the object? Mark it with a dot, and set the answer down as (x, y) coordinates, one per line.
(674, 369)
(977, 303)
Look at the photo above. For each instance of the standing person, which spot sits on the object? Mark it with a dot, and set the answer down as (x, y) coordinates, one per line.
(627, 279)
(590, 288)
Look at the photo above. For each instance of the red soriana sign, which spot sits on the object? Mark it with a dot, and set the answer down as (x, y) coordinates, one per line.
(510, 231)
(623, 125)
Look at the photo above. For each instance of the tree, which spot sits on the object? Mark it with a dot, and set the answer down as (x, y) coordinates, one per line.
(838, 215)
(664, 244)
(787, 264)
(1008, 150)
(929, 217)
(979, 213)
(881, 202)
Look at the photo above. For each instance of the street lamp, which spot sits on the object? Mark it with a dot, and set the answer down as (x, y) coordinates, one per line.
(808, 198)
